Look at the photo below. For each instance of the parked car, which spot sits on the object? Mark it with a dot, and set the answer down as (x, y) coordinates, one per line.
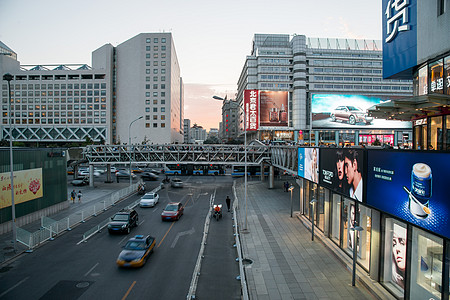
(149, 200)
(176, 182)
(86, 173)
(125, 174)
(123, 221)
(80, 181)
(136, 169)
(173, 211)
(136, 251)
(350, 114)
(149, 176)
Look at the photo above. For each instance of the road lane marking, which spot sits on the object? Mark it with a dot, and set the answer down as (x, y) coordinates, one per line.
(87, 273)
(123, 239)
(180, 234)
(13, 287)
(129, 290)
(165, 235)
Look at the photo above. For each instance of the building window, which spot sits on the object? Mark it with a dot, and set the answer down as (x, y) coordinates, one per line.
(163, 117)
(147, 125)
(163, 125)
(148, 40)
(155, 40)
(155, 125)
(155, 117)
(155, 109)
(147, 48)
(163, 109)
(155, 94)
(163, 40)
(155, 101)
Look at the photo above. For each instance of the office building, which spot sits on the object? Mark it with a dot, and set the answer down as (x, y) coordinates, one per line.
(312, 90)
(230, 121)
(187, 131)
(73, 103)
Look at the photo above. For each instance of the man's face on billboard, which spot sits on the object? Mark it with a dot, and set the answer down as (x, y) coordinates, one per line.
(349, 170)
(340, 169)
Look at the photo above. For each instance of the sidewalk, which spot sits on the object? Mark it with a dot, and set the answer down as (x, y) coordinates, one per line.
(286, 263)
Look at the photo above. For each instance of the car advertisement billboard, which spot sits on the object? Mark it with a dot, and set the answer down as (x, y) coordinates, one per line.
(273, 107)
(411, 185)
(341, 170)
(399, 27)
(350, 112)
(27, 186)
(251, 108)
(308, 164)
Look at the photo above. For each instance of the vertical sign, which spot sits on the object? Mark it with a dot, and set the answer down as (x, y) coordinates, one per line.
(251, 109)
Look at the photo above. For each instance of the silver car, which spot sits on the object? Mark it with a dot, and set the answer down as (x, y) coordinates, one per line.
(149, 200)
(176, 182)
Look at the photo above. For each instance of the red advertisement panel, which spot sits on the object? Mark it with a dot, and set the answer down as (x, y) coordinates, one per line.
(251, 109)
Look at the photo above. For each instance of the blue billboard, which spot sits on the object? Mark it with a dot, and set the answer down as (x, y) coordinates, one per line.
(399, 23)
(412, 186)
(308, 164)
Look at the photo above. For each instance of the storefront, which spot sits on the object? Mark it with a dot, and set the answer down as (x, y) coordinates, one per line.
(399, 199)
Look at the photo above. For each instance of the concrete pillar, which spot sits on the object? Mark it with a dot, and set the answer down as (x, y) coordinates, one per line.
(336, 137)
(300, 186)
(396, 138)
(91, 175)
(108, 173)
(327, 210)
(262, 171)
(375, 245)
(356, 137)
(271, 177)
(316, 137)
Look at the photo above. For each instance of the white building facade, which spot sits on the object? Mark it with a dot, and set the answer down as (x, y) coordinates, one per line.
(300, 81)
(72, 103)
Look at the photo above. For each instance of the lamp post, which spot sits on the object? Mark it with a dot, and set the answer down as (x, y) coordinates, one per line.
(129, 144)
(355, 252)
(313, 201)
(245, 154)
(291, 189)
(8, 77)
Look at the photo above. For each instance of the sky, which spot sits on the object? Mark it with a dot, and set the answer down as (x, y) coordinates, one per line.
(212, 38)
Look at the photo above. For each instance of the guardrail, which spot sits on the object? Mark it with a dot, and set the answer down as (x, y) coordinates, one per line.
(105, 222)
(51, 228)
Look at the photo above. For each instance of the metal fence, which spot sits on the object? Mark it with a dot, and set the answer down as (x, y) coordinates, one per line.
(51, 228)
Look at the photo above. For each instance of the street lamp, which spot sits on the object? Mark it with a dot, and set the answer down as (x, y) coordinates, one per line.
(245, 154)
(129, 144)
(291, 189)
(355, 252)
(8, 77)
(313, 201)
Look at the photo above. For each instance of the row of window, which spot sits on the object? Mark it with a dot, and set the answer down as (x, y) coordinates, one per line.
(155, 40)
(51, 107)
(346, 55)
(363, 87)
(59, 77)
(339, 78)
(57, 100)
(280, 61)
(155, 101)
(155, 71)
(349, 63)
(341, 70)
(155, 94)
(155, 86)
(274, 85)
(155, 109)
(274, 69)
(56, 93)
(56, 86)
(155, 63)
(155, 55)
(155, 78)
(155, 48)
(56, 114)
(155, 125)
(275, 77)
(59, 121)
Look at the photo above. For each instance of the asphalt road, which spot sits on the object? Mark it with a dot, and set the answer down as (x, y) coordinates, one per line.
(64, 269)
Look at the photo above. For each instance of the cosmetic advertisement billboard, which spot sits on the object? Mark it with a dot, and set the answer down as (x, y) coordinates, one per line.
(273, 107)
(251, 108)
(27, 186)
(349, 112)
(412, 186)
(341, 170)
(399, 28)
(308, 164)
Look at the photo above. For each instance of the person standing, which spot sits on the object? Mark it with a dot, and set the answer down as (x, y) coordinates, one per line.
(79, 196)
(72, 196)
(228, 201)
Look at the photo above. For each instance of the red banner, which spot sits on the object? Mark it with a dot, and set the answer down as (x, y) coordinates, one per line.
(251, 109)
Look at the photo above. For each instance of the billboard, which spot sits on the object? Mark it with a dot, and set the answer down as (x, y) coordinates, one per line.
(308, 164)
(27, 186)
(349, 111)
(412, 186)
(273, 106)
(399, 23)
(251, 108)
(341, 170)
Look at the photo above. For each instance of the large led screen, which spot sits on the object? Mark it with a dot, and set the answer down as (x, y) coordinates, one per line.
(27, 186)
(341, 170)
(273, 107)
(349, 111)
(412, 186)
(308, 163)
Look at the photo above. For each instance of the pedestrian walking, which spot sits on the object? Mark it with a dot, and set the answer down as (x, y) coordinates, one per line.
(79, 196)
(73, 196)
(228, 201)
(286, 186)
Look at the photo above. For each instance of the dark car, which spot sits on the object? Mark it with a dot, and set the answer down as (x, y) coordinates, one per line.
(149, 176)
(136, 251)
(172, 212)
(350, 114)
(80, 181)
(125, 174)
(123, 221)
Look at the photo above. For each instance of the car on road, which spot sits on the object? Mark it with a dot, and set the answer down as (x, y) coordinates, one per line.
(172, 212)
(350, 114)
(176, 183)
(125, 174)
(149, 200)
(85, 173)
(80, 181)
(123, 221)
(149, 176)
(136, 251)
